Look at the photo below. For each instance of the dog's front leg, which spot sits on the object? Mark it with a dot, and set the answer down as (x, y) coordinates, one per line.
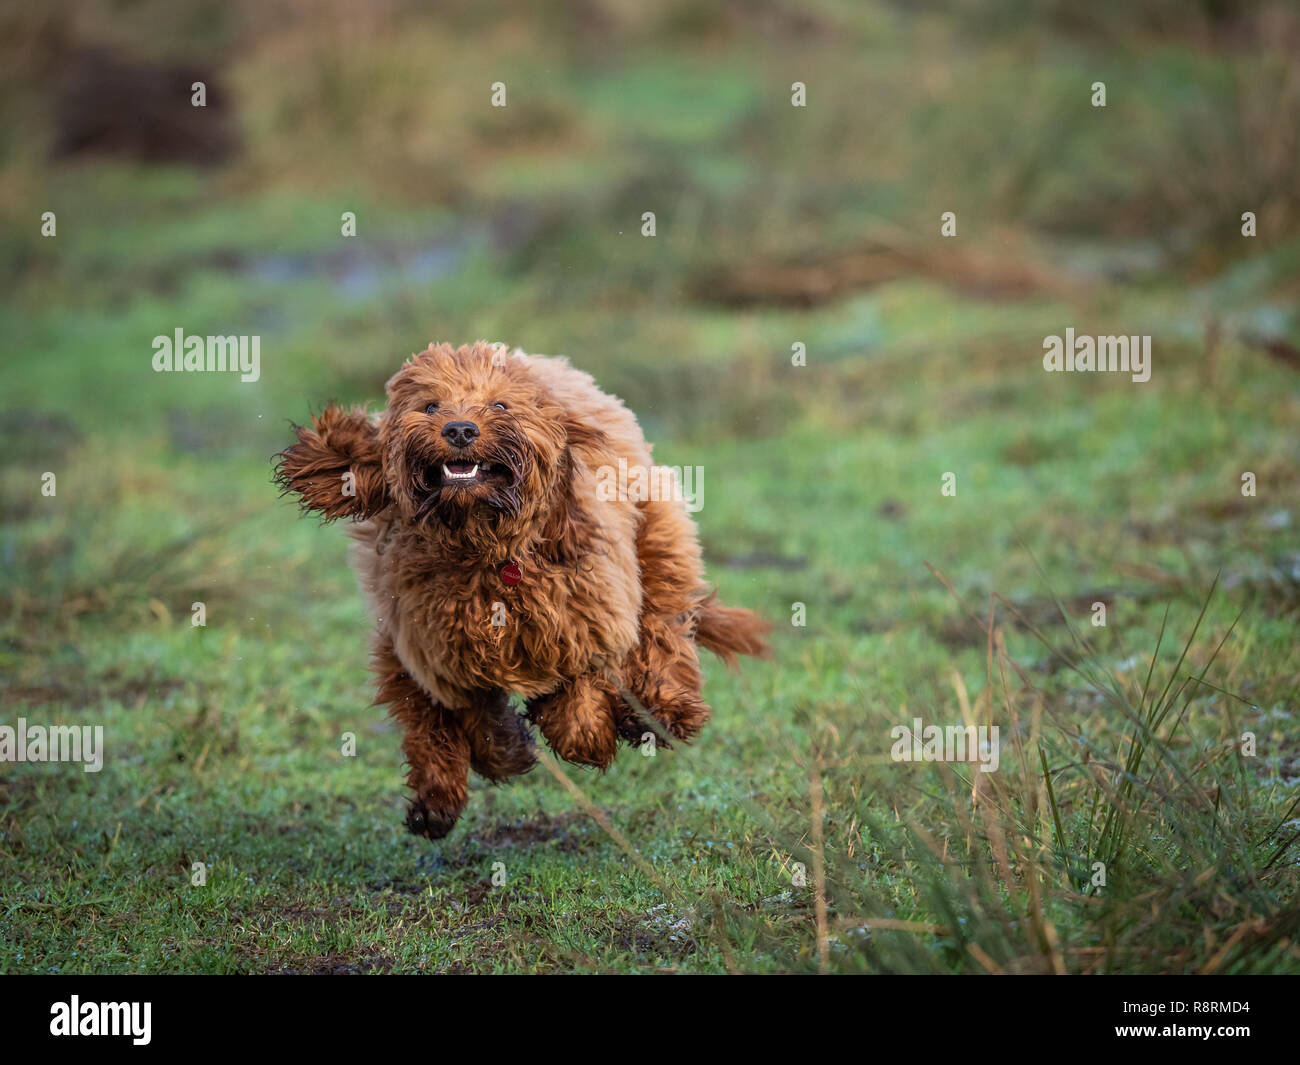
(436, 745)
(500, 744)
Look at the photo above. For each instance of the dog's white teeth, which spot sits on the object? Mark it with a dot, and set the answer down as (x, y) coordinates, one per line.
(469, 474)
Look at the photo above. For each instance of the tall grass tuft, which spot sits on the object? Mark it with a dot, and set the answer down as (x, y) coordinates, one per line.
(1112, 838)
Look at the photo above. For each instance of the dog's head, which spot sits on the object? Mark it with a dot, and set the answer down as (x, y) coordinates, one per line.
(473, 447)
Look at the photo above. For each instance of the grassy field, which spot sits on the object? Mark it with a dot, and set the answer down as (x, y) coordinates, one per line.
(785, 839)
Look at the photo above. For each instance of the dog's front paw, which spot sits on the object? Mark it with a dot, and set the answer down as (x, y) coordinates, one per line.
(577, 720)
(426, 819)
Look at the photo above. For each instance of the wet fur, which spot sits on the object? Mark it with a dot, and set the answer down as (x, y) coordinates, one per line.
(613, 600)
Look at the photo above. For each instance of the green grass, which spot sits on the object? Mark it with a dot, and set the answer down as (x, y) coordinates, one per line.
(822, 488)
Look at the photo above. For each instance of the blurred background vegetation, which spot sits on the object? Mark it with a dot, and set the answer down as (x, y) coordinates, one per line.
(776, 225)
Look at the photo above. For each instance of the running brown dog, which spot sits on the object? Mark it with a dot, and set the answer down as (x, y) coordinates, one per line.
(495, 567)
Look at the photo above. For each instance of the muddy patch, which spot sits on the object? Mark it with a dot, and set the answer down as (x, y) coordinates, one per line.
(567, 830)
(334, 964)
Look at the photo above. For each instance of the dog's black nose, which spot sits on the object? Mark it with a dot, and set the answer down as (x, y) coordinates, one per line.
(460, 434)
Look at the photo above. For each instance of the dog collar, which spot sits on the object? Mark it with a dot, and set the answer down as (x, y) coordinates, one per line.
(511, 573)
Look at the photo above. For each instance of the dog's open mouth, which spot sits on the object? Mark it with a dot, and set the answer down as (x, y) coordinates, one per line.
(460, 471)
(457, 472)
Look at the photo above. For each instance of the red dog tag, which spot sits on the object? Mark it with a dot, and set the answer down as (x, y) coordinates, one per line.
(511, 574)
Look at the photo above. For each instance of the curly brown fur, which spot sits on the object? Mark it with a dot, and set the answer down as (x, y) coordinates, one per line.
(484, 460)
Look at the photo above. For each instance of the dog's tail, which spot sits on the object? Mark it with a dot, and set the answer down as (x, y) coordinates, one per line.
(729, 631)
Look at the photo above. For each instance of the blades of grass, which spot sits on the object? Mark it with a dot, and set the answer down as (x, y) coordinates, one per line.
(1155, 655)
(1285, 818)
(1051, 802)
(1187, 646)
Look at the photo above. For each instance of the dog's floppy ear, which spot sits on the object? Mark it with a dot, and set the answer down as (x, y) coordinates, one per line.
(588, 440)
(570, 531)
(336, 466)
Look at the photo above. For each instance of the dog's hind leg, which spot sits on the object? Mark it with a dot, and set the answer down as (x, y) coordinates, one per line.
(663, 671)
(578, 721)
(437, 748)
(500, 744)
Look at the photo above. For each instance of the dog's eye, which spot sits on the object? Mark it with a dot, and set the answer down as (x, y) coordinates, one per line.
(430, 408)
(500, 406)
